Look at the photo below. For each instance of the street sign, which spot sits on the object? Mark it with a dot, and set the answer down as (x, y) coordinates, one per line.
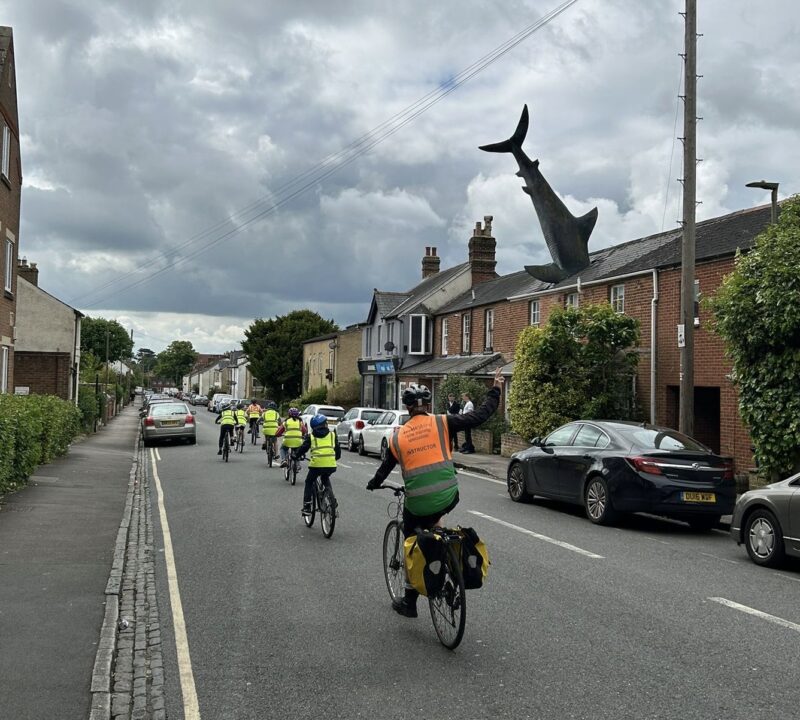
(681, 336)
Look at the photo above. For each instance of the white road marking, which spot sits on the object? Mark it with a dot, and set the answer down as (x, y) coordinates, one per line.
(663, 542)
(482, 477)
(191, 709)
(158, 455)
(717, 557)
(538, 536)
(788, 577)
(757, 613)
(349, 467)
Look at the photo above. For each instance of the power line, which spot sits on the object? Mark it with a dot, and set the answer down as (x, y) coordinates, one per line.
(334, 162)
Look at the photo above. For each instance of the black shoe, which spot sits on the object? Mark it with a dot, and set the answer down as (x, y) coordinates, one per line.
(405, 607)
(219, 452)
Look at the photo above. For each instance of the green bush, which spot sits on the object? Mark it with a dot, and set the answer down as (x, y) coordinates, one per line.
(35, 429)
(347, 394)
(88, 407)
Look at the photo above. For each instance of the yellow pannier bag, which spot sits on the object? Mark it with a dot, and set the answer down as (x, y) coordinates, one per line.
(474, 558)
(424, 556)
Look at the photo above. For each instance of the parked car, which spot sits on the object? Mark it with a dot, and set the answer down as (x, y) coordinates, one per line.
(169, 420)
(767, 521)
(348, 430)
(377, 433)
(334, 413)
(198, 399)
(152, 399)
(217, 399)
(621, 467)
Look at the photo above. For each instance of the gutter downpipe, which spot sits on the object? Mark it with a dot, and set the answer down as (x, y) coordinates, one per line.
(653, 326)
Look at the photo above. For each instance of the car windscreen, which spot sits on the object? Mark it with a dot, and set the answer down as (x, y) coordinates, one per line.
(331, 413)
(368, 415)
(169, 409)
(661, 439)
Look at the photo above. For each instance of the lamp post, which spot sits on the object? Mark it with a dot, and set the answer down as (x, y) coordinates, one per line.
(773, 186)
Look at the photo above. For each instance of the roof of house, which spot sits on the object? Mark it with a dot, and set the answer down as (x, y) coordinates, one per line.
(320, 338)
(431, 284)
(457, 365)
(384, 302)
(491, 291)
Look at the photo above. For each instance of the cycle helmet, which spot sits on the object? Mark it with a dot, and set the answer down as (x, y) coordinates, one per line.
(242, 405)
(416, 395)
(294, 412)
(317, 421)
(272, 405)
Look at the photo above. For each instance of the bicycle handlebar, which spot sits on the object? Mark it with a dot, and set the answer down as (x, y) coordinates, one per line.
(394, 487)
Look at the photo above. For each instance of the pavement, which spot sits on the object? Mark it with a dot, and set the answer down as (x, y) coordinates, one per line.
(57, 543)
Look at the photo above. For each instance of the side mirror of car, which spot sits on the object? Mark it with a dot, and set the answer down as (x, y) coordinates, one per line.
(536, 441)
(194, 412)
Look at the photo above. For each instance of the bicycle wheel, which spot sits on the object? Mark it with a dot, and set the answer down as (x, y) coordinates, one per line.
(270, 453)
(287, 471)
(393, 568)
(449, 606)
(240, 442)
(309, 519)
(295, 469)
(327, 512)
(226, 448)
(254, 434)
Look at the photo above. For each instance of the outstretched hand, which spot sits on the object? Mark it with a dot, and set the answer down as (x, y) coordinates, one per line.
(499, 380)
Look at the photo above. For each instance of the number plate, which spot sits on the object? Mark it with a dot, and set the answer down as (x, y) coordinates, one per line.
(170, 423)
(700, 497)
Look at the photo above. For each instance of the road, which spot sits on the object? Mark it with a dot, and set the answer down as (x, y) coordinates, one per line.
(576, 621)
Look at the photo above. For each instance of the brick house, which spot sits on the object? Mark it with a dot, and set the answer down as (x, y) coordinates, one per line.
(10, 194)
(640, 278)
(331, 359)
(48, 340)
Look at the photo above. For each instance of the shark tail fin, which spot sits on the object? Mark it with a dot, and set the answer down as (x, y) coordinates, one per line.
(586, 224)
(551, 273)
(515, 140)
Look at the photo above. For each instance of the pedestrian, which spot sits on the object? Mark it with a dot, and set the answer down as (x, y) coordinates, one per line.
(453, 408)
(467, 448)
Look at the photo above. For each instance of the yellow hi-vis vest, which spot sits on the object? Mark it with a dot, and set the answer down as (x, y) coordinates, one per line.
(241, 417)
(270, 426)
(422, 447)
(323, 451)
(293, 435)
(227, 418)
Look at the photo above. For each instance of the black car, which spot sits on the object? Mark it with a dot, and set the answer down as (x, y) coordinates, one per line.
(622, 467)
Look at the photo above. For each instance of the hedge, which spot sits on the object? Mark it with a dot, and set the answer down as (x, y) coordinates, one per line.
(34, 430)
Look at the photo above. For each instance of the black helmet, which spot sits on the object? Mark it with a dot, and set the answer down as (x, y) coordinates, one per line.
(416, 395)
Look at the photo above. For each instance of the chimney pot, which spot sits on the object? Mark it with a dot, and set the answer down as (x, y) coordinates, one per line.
(430, 263)
(433, 251)
(482, 252)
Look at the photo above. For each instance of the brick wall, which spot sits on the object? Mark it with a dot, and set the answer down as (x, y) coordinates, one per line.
(511, 443)
(43, 373)
(347, 354)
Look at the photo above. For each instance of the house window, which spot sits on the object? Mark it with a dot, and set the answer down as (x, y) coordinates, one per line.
(572, 300)
(465, 332)
(8, 275)
(3, 369)
(380, 344)
(368, 342)
(390, 333)
(488, 329)
(444, 336)
(421, 335)
(6, 151)
(534, 313)
(618, 298)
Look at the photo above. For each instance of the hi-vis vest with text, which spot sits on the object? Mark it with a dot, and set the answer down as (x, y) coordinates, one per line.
(422, 447)
(271, 418)
(293, 435)
(253, 411)
(323, 451)
(227, 418)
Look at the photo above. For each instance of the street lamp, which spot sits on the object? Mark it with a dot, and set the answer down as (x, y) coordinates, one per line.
(773, 186)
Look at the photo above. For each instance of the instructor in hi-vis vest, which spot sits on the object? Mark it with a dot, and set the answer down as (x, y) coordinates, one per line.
(423, 449)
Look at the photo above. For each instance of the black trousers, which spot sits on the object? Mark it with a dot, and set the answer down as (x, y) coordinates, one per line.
(468, 440)
(222, 430)
(311, 478)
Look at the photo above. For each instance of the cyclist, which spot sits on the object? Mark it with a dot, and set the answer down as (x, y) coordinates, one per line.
(253, 413)
(241, 417)
(293, 431)
(423, 449)
(325, 451)
(227, 420)
(272, 421)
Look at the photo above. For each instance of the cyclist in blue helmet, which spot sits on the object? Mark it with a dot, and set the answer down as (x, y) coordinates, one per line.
(325, 451)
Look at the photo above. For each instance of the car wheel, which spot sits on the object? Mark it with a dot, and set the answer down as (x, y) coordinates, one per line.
(764, 538)
(351, 445)
(384, 451)
(146, 442)
(193, 441)
(361, 449)
(516, 484)
(703, 522)
(597, 502)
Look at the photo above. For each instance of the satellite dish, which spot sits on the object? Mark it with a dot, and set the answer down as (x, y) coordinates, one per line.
(388, 346)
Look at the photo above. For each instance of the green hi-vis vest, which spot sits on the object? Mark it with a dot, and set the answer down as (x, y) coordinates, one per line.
(227, 418)
(241, 417)
(323, 451)
(293, 435)
(271, 419)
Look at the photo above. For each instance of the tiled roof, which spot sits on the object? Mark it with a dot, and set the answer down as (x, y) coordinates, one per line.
(385, 302)
(457, 365)
(427, 286)
(488, 292)
(319, 338)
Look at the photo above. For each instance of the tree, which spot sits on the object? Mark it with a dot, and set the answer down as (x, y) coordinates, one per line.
(146, 359)
(757, 313)
(274, 348)
(176, 361)
(579, 365)
(94, 332)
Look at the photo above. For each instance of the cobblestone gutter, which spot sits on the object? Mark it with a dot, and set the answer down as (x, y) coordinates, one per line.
(128, 676)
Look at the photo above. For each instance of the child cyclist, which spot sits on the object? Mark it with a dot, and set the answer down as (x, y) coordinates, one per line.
(292, 431)
(325, 451)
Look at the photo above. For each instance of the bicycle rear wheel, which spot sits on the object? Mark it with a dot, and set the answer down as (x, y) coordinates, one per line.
(254, 434)
(226, 448)
(393, 568)
(270, 453)
(327, 512)
(295, 469)
(449, 607)
(309, 519)
(287, 471)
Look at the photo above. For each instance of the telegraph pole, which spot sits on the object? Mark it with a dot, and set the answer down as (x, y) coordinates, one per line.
(686, 342)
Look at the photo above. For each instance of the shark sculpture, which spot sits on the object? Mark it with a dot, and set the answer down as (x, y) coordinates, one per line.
(567, 237)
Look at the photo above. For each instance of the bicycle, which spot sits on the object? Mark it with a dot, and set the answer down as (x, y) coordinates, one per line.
(226, 446)
(292, 469)
(240, 438)
(254, 432)
(448, 607)
(322, 499)
(270, 449)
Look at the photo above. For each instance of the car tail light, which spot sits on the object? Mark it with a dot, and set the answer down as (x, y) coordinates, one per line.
(149, 422)
(646, 465)
(190, 420)
(359, 424)
(727, 467)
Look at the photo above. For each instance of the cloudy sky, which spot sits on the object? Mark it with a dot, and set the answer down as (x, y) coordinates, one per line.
(181, 157)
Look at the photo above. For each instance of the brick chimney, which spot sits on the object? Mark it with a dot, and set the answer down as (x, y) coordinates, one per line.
(481, 252)
(29, 272)
(430, 263)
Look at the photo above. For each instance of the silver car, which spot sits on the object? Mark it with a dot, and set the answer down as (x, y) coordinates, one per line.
(348, 431)
(376, 435)
(767, 521)
(169, 421)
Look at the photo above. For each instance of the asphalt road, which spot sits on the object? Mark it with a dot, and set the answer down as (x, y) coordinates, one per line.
(576, 621)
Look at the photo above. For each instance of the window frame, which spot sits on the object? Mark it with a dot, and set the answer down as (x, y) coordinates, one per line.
(445, 331)
(572, 300)
(488, 329)
(380, 344)
(4, 355)
(368, 341)
(8, 272)
(425, 337)
(531, 305)
(466, 333)
(616, 295)
(5, 162)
